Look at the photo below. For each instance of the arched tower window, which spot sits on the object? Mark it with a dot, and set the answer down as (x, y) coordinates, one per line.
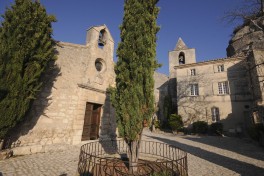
(181, 58)
(102, 38)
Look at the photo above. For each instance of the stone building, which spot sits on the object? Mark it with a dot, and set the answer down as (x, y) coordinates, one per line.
(217, 90)
(73, 105)
(248, 42)
(228, 90)
(160, 92)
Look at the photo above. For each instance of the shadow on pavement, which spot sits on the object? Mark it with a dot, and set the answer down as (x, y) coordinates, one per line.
(247, 149)
(242, 168)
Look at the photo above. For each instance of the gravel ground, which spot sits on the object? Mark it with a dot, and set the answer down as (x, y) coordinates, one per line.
(207, 156)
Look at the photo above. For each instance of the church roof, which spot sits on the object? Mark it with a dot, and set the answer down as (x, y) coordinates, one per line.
(180, 45)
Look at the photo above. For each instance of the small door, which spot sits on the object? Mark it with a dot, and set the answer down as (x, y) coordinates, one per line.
(91, 121)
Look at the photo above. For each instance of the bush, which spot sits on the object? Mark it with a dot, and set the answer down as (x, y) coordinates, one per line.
(175, 122)
(200, 127)
(255, 131)
(216, 128)
(165, 125)
(157, 124)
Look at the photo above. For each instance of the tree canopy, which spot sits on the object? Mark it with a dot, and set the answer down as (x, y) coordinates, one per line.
(26, 46)
(134, 97)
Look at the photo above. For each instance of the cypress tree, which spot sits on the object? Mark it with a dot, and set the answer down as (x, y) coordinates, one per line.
(26, 47)
(133, 97)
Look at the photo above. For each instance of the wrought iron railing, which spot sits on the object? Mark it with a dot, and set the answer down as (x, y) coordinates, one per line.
(108, 158)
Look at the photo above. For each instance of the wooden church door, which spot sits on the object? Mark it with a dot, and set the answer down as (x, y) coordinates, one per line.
(91, 121)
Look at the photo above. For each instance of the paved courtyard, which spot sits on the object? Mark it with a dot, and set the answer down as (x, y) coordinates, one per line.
(208, 156)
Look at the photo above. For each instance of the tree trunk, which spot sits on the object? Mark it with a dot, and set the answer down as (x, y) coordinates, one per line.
(133, 153)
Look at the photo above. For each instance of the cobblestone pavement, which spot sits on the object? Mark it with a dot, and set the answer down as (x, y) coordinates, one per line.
(215, 156)
(60, 163)
(207, 156)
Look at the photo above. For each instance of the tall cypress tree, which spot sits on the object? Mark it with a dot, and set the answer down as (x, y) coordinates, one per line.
(133, 97)
(26, 46)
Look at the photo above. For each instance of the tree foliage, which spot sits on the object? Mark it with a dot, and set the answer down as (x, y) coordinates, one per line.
(133, 97)
(26, 46)
(167, 107)
(175, 122)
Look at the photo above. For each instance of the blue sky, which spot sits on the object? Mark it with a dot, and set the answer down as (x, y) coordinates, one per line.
(197, 22)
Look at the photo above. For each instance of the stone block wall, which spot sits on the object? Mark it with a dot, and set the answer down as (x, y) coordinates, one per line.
(160, 91)
(233, 106)
(57, 114)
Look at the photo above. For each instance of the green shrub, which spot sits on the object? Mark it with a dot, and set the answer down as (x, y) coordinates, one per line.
(175, 122)
(157, 124)
(165, 125)
(187, 130)
(167, 107)
(255, 130)
(216, 128)
(200, 127)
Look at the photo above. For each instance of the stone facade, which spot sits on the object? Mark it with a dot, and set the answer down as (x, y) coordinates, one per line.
(160, 91)
(80, 75)
(248, 43)
(247, 37)
(179, 50)
(228, 90)
(211, 91)
(76, 81)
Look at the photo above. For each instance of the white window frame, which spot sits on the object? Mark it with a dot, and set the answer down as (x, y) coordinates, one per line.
(223, 88)
(193, 72)
(220, 68)
(215, 114)
(194, 90)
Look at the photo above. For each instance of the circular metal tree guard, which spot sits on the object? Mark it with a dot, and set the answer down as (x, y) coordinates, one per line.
(108, 158)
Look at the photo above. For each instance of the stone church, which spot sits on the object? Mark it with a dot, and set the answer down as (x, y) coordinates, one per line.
(74, 104)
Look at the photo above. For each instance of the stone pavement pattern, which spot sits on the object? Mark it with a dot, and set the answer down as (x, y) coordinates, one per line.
(208, 156)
